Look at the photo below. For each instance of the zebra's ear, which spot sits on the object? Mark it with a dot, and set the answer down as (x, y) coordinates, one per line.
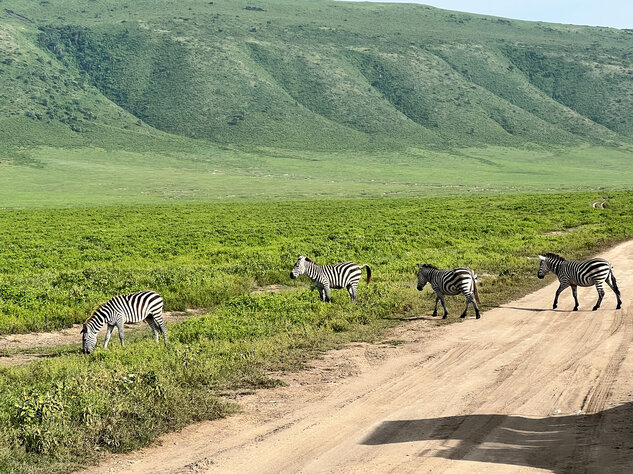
(84, 329)
(419, 266)
(541, 257)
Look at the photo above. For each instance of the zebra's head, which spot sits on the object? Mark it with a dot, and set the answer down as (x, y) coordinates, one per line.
(300, 267)
(88, 339)
(549, 262)
(423, 275)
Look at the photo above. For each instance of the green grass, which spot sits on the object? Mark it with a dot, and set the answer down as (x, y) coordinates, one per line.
(55, 265)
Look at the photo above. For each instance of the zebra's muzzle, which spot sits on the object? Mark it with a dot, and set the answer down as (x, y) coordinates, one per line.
(540, 277)
(292, 275)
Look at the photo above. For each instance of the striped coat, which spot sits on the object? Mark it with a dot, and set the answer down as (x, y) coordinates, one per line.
(450, 282)
(131, 308)
(593, 272)
(326, 277)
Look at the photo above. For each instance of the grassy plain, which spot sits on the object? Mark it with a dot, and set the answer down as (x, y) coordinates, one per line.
(54, 177)
(55, 265)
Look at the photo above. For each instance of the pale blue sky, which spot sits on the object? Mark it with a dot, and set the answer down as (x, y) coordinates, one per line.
(614, 13)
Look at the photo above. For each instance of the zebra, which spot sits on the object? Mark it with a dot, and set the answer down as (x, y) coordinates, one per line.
(450, 282)
(325, 277)
(131, 308)
(572, 273)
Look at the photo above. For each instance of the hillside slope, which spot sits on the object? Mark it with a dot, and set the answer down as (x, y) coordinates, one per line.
(300, 74)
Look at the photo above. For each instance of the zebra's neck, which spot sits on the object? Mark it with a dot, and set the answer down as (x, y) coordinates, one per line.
(97, 320)
(554, 265)
(312, 270)
(431, 272)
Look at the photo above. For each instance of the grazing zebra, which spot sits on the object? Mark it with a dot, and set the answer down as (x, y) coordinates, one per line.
(132, 308)
(450, 282)
(339, 275)
(572, 273)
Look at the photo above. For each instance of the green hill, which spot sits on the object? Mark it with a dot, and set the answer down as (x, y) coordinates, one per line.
(303, 75)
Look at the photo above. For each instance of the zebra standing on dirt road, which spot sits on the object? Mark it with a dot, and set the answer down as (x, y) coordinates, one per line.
(326, 277)
(450, 282)
(572, 273)
(132, 308)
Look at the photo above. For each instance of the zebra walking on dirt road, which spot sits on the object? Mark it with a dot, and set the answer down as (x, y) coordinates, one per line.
(573, 273)
(326, 277)
(450, 282)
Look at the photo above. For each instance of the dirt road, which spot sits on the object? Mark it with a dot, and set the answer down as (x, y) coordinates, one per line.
(524, 389)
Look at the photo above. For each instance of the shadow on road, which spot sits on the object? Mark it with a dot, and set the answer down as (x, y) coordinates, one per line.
(421, 318)
(540, 310)
(600, 442)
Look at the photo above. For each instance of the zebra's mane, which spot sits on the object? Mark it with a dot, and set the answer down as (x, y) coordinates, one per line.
(428, 265)
(93, 313)
(555, 256)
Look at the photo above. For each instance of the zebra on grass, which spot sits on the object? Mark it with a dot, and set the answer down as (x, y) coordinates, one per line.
(132, 308)
(450, 282)
(572, 273)
(326, 277)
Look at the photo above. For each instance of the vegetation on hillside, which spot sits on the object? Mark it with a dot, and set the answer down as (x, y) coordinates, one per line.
(307, 75)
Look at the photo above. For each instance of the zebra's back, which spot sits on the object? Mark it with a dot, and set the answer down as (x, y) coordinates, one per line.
(587, 272)
(456, 281)
(339, 275)
(135, 307)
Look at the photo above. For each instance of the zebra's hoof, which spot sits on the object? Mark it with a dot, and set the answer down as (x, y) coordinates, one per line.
(463, 315)
(445, 316)
(595, 308)
(555, 306)
(575, 308)
(434, 314)
(477, 316)
(618, 306)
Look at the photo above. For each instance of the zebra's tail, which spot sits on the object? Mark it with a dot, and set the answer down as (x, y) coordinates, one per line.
(475, 288)
(368, 272)
(614, 282)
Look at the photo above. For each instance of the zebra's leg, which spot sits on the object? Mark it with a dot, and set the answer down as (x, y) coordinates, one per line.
(119, 327)
(574, 291)
(600, 296)
(152, 324)
(351, 289)
(614, 286)
(463, 315)
(108, 335)
(326, 293)
(441, 297)
(437, 300)
(558, 292)
(158, 321)
(477, 315)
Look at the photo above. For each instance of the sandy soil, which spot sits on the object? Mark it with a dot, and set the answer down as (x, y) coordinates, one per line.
(524, 389)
